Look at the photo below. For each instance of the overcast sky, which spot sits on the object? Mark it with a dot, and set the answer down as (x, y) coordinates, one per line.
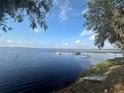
(65, 29)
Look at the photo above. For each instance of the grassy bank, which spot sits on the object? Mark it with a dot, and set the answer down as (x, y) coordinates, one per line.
(114, 83)
(101, 68)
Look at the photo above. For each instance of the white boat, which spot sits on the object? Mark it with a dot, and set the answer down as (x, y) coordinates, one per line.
(58, 53)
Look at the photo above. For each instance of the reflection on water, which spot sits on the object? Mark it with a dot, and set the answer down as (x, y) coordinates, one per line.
(41, 70)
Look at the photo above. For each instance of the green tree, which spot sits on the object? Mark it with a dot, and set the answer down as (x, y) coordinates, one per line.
(106, 19)
(34, 10)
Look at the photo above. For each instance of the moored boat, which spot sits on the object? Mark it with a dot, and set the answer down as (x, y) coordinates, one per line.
(58, 53)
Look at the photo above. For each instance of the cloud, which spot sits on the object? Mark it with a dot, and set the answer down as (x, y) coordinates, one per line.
(92, 37)
(65, 44)
(18, 43)
(36, 44)
(74, 44)
(82, 45)
(65, 9)
(85, 32)
(84, 11)
(107, 45)
(10, 43)
(78, 42)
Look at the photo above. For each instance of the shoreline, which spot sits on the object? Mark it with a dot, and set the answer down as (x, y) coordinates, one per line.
(114, 83)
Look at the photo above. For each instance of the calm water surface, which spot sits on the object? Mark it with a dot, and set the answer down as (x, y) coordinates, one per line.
(25, 70)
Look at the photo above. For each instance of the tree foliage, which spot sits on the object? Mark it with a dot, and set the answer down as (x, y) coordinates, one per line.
(34, 10)
(106, 19)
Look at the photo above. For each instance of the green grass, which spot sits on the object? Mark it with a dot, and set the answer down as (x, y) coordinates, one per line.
(100, 68)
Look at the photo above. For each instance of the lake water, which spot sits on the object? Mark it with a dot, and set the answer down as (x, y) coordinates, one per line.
(24, 70)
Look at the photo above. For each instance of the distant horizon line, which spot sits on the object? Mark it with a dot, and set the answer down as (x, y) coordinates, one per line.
(60, 48)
